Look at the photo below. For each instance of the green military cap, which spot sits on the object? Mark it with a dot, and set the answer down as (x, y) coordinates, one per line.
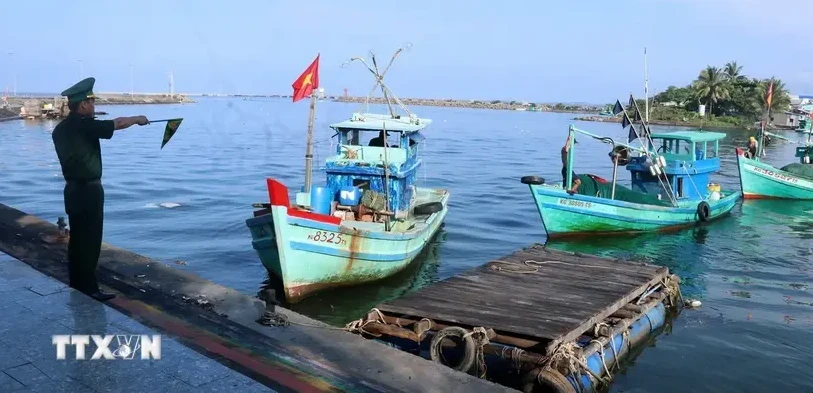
(80, 91)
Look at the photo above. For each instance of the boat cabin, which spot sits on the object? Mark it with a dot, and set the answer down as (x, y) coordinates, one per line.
(361, 156)
(804, 124)
(690, 158)
(805, 154)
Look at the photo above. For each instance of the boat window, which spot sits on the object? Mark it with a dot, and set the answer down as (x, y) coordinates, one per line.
(350, 138)
(679, 187)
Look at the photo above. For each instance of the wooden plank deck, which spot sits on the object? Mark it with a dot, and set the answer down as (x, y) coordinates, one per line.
(535, 293)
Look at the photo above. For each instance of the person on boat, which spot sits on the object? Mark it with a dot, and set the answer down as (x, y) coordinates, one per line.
(76, 141)
(576, 181)
(379, 140)
(752, 147)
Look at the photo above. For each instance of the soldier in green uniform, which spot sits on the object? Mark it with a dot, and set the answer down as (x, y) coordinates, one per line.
(76, 139)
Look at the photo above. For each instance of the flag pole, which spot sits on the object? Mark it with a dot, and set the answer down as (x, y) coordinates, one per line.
(309, 148)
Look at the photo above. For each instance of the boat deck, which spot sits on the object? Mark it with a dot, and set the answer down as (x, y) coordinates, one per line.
(540, 296)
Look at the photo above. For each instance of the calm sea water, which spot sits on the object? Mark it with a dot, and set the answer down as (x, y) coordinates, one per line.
(752, 269)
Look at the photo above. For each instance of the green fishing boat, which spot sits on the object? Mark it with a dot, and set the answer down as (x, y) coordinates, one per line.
(760, 180)
(670, 186)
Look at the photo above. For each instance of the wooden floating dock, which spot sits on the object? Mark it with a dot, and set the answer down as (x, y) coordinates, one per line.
(534, 307)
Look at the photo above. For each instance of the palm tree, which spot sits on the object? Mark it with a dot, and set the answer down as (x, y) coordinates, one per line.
(711, 85)
(734, 72)
(780, 100)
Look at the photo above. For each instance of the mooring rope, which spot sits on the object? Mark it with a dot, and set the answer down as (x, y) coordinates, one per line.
(481, 340)
(514, 356)
(575, 365)
(672, 288)
(601, 354)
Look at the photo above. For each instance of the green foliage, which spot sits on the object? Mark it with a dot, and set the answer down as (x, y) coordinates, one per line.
(496, 102)
(559, 106)
(730, 97)
(678, 95)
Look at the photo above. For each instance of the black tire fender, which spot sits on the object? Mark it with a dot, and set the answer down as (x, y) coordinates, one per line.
(703, 211)
(534, 180)
(428, 208)
(546, 380)
(436, 346)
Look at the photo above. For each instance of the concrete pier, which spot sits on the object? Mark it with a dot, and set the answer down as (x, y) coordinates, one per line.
(222, 323)
(35, 307)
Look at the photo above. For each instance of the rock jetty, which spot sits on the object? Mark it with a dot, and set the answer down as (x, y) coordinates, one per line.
(57, 106)
(479, 104)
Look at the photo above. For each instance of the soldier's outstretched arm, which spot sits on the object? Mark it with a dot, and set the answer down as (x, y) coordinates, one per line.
(121, 123)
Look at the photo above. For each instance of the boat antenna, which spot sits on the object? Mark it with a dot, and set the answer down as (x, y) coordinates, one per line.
(379, 80)
(386, 177)
(646, 87)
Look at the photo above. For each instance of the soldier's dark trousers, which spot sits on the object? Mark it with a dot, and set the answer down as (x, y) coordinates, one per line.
(84, 203)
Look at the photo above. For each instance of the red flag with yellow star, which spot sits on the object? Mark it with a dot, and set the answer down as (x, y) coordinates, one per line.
(309, 80)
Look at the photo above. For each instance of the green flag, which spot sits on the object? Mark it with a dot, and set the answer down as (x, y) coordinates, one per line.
(169, 131)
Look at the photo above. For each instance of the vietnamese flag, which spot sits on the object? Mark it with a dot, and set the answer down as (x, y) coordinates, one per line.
(309, 80)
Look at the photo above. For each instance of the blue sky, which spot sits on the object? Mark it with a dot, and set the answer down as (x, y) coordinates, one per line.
(542, 51)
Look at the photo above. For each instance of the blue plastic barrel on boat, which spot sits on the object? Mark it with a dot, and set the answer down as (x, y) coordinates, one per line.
(321, 198)
(349, 196)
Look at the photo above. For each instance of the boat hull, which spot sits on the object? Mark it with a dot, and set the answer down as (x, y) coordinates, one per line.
(566, 215)
(759, 180)
(311, 255)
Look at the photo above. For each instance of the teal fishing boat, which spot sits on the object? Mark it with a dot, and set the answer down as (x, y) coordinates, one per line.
(669, 189)
(760, 180)
(367, 222)
(670, 185)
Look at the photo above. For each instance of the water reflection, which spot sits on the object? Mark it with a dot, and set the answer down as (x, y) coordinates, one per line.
(766, 217)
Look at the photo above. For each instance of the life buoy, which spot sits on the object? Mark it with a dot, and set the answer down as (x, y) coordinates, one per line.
(546, 380)
(703, 211)
(436, 346)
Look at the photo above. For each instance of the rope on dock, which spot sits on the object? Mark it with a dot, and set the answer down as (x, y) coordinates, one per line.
(358, 325)
(274, 319)
(515, 356)
(565, 358)
(480, 341)
(530, 263)
(671, 285)
(601, 355)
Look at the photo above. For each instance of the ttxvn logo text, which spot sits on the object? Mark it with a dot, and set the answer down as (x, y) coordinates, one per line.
(119, 346)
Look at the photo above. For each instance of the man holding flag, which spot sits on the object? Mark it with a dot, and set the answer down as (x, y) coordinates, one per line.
(76, 140)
